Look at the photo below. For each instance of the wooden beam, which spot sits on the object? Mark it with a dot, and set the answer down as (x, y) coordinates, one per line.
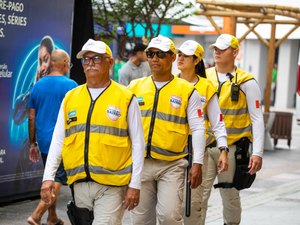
(283, 13)
(224, 9)
(213, 23)
(281, 8)
(244, 5)
(270, 64)
(233, 25)
(214, 7)
(259, 37)
(234, 13)
(267, 21)
(249, 30)
(286, 36)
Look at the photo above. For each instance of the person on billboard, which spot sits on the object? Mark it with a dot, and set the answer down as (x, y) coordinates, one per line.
(44, 102)
(239, 99)
(44, 53)
(99, 137)
(45, 49)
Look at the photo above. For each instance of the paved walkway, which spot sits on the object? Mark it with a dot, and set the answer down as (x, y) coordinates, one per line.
(274, 198)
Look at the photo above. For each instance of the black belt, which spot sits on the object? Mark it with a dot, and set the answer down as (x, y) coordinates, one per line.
(212, 145)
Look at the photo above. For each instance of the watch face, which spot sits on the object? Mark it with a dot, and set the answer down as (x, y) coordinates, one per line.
(34, 144)
(224, 149)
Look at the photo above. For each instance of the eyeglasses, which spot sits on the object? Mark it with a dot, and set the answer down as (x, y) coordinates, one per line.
(69, 63)
(159, 54)
(96, 59)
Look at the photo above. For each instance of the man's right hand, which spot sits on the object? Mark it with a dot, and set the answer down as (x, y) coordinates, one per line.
(223, 162)
(34, 154)
(132, 198)
(195, 175)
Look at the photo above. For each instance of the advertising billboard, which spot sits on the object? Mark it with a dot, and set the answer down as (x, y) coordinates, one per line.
(29, 31)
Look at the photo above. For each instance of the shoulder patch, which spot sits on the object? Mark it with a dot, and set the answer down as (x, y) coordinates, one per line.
(72, 116)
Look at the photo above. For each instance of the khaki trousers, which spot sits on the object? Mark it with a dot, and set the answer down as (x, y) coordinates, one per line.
(161, 196)
(196, 197)
(230, 196)
(105, 201)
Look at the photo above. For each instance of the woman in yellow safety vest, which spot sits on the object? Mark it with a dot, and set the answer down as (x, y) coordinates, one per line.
(190, 63)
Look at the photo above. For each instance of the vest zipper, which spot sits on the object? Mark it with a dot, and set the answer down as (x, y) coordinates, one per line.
(152, 124)
(87, 140)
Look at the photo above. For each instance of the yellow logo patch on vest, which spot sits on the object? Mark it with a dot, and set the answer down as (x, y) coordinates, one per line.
(113, 113)
(175, 101)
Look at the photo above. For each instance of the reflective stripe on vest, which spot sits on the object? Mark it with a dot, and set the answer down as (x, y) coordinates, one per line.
(165, 117)
(97, 129)
(98, 170)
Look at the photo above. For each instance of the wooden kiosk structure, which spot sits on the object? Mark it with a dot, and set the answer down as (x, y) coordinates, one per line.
(252, 15)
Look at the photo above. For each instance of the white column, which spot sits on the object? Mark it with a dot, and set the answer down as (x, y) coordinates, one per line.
(287, 74)
(254, 59)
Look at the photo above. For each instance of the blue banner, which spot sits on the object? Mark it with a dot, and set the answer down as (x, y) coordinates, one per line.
(29, 31)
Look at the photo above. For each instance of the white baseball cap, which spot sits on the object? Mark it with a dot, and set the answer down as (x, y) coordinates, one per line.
(191, 47)
(163, 43)
(94, 46)
(225, 41)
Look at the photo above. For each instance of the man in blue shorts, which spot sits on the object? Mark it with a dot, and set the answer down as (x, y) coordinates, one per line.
(44, 103)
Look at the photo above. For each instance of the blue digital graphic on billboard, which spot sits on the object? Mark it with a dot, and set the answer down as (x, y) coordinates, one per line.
(29, 31)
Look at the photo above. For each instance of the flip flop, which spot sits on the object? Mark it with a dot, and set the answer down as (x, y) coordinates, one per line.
(58, 222)
(31, 221)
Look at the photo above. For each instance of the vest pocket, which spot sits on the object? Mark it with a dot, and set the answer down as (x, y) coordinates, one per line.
(69, 140)
(114, 141)
(176, 139)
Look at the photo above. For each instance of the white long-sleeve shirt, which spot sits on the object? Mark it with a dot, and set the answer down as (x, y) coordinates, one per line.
(253, 94)
(135, 132)
(196, 124)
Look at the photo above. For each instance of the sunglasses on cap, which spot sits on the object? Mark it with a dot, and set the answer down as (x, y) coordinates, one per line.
(159, 54)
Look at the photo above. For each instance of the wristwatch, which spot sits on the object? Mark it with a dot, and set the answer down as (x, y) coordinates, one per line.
(34, 144)
(223, 148)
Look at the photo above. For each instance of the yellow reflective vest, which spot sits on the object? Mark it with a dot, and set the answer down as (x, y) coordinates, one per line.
(164, 116)
(206, 90)
(97, 145)
(235, 113)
